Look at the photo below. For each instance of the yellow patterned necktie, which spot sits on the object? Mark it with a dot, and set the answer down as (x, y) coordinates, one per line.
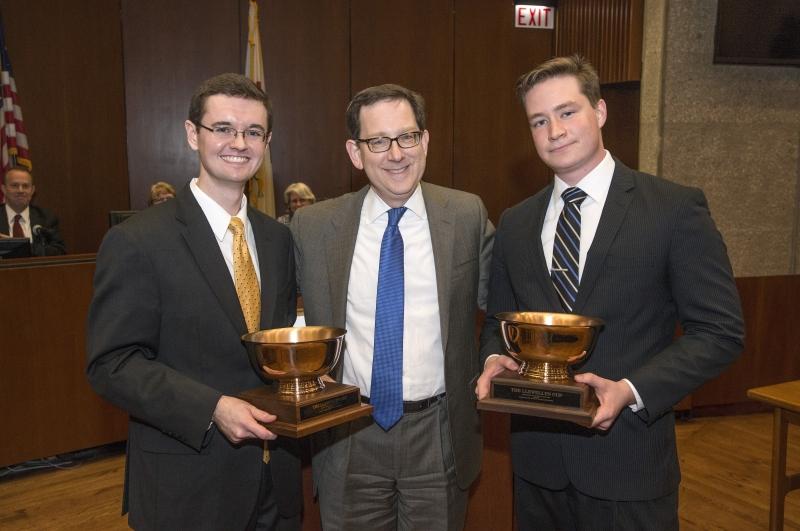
(244, 276)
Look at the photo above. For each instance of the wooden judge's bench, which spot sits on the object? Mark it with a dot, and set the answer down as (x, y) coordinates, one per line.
(48, 407)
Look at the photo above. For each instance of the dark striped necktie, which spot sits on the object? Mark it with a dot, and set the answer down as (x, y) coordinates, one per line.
(567, 247)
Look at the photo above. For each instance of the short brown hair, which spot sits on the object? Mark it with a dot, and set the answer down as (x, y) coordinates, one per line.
(574, 65)
(388, 92)
(235, 85)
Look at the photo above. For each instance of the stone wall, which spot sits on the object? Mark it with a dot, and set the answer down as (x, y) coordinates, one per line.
(732, 130)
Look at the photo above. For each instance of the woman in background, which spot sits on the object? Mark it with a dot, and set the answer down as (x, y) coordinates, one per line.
(160, 192)
(296, 195)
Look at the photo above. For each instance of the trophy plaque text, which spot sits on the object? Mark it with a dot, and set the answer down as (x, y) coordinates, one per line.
(545, 344)
(297, 358)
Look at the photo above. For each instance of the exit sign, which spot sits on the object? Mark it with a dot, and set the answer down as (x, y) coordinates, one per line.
(539, 17)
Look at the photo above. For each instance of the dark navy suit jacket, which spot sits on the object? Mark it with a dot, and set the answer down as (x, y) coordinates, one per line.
(657, 260)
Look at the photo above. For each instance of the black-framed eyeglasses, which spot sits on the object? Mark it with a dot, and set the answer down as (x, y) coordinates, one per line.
(226, 132)
(379, 144)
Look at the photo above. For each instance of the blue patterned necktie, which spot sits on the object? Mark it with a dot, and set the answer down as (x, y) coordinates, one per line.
(386, 394)
(567, 247)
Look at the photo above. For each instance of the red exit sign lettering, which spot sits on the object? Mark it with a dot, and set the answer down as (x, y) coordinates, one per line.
(539, 17)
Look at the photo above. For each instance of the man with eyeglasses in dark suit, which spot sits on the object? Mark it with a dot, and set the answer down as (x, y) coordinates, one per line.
(176, 287)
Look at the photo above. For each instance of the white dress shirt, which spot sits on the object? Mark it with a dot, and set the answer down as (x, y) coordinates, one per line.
(219, 219)
(423, 357)
(596, 184)
(24, 221)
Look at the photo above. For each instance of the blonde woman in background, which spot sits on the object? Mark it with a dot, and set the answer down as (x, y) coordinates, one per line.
(296, 195)
(160, 192)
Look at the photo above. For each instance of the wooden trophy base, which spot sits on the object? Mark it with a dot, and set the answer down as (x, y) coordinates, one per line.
(511, 393)
(299, 416)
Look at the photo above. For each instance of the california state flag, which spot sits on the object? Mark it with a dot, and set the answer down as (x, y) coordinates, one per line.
(262, 189)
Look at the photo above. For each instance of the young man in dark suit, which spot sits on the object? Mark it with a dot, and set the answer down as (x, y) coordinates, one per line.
(20, 219)
(176, 287)
(649, 257)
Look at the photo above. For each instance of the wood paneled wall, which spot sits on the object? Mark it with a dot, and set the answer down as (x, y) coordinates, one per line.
(307, 70)
(384, 49)
(67, 60)
(772, 343)
(105, 88)
(170, 47)
(494, 154)
(607, 32)
(621, 131)
(463, 56)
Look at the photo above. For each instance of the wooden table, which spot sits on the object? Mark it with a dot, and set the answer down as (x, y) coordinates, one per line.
(785, 398)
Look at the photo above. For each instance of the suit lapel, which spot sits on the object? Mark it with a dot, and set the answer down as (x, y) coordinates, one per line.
(340, 244)
(266, 259)
(535, 255)
(617, 202)
(441, 223)
(205, 249)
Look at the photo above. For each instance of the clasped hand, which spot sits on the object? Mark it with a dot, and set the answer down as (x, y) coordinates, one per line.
(612, 395)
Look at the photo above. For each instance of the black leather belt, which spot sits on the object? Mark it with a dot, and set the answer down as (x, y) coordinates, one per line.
(416, 406)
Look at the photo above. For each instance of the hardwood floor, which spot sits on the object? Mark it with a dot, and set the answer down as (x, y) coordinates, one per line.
(85, 497)
(725, 463)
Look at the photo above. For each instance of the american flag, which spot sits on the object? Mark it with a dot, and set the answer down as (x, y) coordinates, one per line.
(13, 140)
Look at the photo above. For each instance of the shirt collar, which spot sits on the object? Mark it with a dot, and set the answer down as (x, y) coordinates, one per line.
(595, 183)
(11, 214)
(374, 207)
(218, 217)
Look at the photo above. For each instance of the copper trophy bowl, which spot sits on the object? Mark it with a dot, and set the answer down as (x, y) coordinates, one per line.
(297, 358)
(545, 345)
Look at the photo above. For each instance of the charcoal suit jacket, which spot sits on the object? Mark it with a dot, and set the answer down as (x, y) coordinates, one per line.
(657, 260)
(164, 343)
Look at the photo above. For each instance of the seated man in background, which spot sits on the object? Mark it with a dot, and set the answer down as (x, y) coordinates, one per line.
(21, 219)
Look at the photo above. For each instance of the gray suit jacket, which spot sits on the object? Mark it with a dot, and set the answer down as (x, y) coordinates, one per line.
(461, 236)
(656, 261)
(164, 344)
